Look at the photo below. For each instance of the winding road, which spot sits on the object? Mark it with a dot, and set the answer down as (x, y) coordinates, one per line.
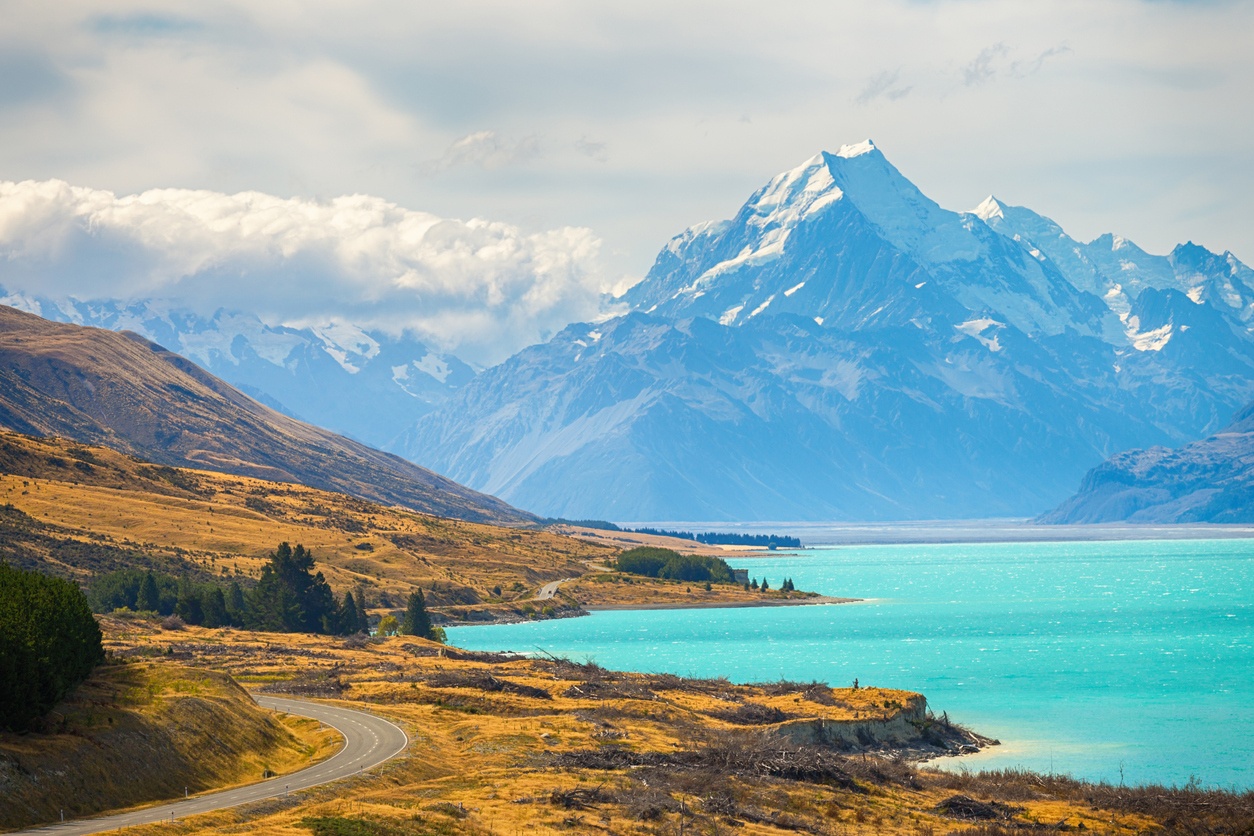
(550, 589)
(368, 742)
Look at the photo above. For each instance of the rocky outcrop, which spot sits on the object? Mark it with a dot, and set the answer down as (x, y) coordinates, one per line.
(913, 732)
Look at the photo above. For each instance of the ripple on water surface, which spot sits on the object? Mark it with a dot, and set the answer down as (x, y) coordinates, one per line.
(1116, 661)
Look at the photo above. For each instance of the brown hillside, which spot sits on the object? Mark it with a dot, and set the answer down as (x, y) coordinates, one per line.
(121, 391)
(146, 731)
(77, 511)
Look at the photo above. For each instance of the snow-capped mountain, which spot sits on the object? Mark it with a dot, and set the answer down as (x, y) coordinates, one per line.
(843, 347)
(364, 384)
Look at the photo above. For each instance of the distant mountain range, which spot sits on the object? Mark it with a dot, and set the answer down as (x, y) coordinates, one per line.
(365, 384)
(121, 391)
(844, 348)
(841, 348)
(1211, 480)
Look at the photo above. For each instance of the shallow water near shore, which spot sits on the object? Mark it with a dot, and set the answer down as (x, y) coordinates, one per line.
(1112, 661)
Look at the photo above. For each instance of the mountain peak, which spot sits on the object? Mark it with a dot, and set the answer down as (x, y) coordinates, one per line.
(990, 208)
(856, 150)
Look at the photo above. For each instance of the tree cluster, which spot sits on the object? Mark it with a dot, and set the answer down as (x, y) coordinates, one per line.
(765, 586)
(289, 598)
(656, 562)
(721, 538)
(49, 643)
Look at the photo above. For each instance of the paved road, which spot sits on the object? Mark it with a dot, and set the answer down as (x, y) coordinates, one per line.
(550, 589)
(368, 742)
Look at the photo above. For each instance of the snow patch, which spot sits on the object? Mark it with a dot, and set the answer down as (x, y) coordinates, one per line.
(1150, 340)
(818, 320)
(762, 307)
(790, 291)
(729, 315)
(342, 340)
(434, 366)
(975, 329)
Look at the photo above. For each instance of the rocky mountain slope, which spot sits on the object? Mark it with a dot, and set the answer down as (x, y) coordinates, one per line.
(1211, 480)
(844, 348)
(289, 369)
(122, 391)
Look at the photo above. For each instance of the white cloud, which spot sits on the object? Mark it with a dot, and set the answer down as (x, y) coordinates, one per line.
(478, 288)
(639, 119)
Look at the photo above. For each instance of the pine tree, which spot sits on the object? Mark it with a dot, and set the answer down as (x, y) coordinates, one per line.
(417, 622)
(148, 599)
(363, 623)
(235, 604)
(765, 586)
(188, 605)
(213, 607)
(350, 620)
(753, 584)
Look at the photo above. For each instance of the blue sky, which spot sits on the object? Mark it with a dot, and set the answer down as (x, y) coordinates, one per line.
(635, 120)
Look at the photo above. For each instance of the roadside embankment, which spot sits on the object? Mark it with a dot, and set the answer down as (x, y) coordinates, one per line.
(141, 732)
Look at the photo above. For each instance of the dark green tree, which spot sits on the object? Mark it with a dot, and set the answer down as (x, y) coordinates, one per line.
(148, 598)
(765, 586)
(349, 620)
(360, 598)
(236, 607)
(213, 607)
(290, 597)
(188, 605)
(417, 622)
(49, 643)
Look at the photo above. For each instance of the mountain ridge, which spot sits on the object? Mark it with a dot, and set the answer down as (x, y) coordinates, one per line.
(288, 369)
(125, 392)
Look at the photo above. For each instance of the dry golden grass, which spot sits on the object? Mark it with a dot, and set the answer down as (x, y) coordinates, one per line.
(115, 511)
(135, 733)
(497, 744)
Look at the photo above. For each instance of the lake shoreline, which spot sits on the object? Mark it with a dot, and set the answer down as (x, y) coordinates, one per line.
(820, 600)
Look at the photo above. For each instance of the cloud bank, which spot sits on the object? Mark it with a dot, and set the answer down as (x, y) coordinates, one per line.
(477, 288)
(640, 119)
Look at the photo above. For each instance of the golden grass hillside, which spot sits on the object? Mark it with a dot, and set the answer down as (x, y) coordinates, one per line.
(75, 511)
(508, 745)
(121, 391)
(134, 733)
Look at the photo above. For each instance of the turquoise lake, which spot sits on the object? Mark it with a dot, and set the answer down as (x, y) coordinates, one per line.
(1083, 658)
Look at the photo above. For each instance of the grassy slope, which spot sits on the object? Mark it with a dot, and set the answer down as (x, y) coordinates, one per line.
(77, 510)
(525, 745)
(121, 391)
(142, 732)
